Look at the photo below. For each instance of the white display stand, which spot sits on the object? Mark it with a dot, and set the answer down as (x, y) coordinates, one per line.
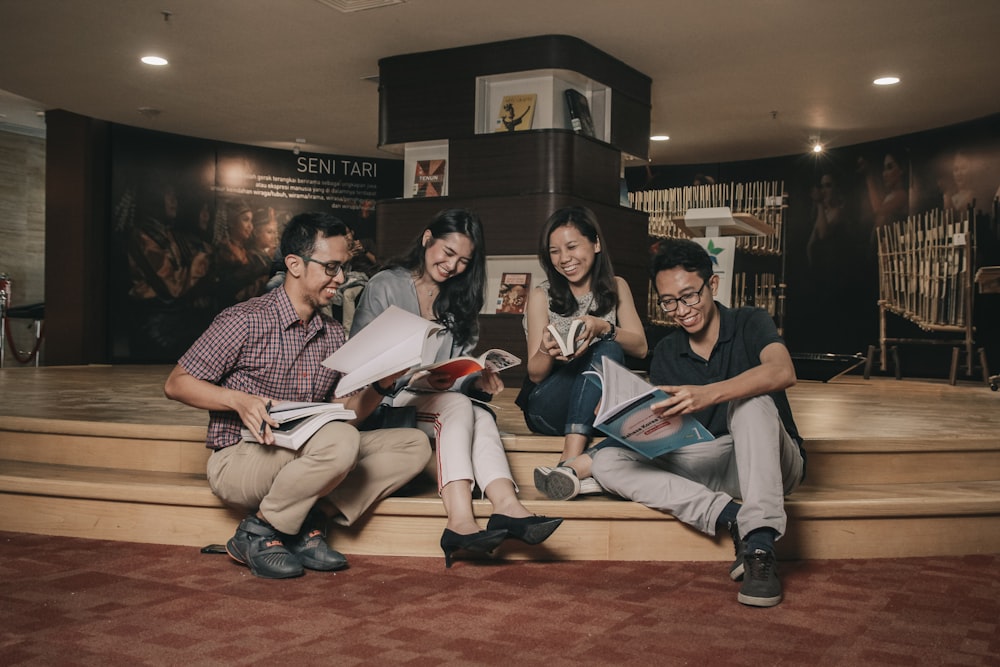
(719, 220)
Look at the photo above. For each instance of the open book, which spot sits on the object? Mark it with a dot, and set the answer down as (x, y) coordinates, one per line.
(625, 414)
(299, 421)
(568, 344)
(494, 359)
(395, 341)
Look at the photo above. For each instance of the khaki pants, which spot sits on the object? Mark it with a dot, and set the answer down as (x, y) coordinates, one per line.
(350, 469)
(758, 463)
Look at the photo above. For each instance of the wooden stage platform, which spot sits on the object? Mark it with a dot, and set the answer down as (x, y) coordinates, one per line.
(896, 468)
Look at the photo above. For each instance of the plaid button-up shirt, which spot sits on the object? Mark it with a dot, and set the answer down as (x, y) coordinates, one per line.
(261, 347)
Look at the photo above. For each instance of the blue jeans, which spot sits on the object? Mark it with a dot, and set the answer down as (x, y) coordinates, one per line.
(564, 402)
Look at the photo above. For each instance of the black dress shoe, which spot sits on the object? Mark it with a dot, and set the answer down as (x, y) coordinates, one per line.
(258, 545)
(529, 529)
(484, 542)
(310, 547)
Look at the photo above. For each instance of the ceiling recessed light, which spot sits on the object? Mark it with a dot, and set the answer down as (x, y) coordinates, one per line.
(659, 137)
(886, 81)
(155, 60)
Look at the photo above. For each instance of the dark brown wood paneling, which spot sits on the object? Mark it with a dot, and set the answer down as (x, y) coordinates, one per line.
(431, 95)
(76, 214)
(539, 161)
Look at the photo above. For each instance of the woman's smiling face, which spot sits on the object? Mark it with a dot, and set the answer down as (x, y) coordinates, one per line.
(447, 256)
(573, 254)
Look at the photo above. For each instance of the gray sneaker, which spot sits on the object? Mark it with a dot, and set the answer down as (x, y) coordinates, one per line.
(310, 546)
(258, 545)
(739, 547)
(761, 587)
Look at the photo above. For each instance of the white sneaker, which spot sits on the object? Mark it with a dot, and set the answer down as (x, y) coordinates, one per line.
(559, 483)
(590, 487)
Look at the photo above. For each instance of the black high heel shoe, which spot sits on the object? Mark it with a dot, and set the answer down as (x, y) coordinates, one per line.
(529, 529)
(482, 542)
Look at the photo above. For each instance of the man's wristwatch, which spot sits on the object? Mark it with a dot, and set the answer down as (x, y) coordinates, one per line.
(610, 334)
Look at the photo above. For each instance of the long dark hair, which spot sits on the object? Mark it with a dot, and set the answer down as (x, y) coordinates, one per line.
(602, 275)
(460, 298)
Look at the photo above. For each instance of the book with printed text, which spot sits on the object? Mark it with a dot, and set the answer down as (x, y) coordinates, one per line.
(513, 292)
(625, 413)
(494, 359)
(429, 178)
(516, 113)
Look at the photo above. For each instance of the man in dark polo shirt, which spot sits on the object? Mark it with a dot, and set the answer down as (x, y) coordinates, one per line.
(729, 368)
(269, 349)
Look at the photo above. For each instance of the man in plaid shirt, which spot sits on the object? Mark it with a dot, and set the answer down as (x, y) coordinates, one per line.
(270, 349)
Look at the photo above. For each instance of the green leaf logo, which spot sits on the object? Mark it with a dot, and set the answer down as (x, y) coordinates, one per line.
(713, 251)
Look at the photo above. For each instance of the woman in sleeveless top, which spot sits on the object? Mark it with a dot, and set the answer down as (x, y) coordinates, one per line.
(556, 398)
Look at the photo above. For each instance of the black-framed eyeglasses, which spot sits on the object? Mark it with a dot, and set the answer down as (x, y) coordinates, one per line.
(669, 304)
(331, 268)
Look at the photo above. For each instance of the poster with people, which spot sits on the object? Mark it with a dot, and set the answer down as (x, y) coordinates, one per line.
(196, 225)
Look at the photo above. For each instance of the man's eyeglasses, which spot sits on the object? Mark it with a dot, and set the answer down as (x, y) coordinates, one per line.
(331, 268)
(669, 304)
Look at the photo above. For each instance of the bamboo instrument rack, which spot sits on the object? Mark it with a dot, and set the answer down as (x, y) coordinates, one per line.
(925, 267)
(761, 205)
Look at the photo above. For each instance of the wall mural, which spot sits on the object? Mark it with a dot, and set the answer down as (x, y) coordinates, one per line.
(196, 223)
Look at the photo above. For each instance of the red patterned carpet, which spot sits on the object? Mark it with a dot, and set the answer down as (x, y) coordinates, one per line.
(87, 602)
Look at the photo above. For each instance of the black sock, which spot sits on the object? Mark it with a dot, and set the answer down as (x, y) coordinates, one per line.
(727, 515)
(761, 538)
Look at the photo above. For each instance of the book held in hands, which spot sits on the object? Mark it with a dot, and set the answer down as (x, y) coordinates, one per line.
(398, 341)
(513, 292)
(568, 343)
(625, 413)
(494, 359)
(395, 341)
(516, 113)
(298, 421)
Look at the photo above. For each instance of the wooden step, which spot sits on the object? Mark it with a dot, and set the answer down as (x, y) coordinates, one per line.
(180, 448)
(178, 508)
(895, 469)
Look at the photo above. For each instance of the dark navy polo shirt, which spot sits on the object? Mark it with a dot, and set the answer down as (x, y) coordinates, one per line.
(743, 333)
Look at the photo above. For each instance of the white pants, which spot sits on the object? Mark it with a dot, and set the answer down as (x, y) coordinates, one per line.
(466, 438)
(758, 462)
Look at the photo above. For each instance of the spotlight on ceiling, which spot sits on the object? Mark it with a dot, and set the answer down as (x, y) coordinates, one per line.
(659, 137)
(156, 61)
(886, 81)
(815, 144)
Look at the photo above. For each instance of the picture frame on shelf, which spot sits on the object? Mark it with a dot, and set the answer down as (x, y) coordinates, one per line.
(429, 178)
(516, 112)
(513, 292)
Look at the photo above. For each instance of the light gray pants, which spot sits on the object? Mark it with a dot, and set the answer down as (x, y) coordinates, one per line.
(285, 484)
(758, 463)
